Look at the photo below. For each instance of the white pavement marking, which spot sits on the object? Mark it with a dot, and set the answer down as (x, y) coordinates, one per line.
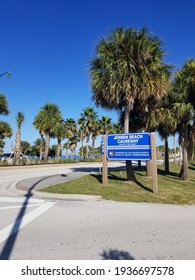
(18, 200)
(26, 219)
(18, 206)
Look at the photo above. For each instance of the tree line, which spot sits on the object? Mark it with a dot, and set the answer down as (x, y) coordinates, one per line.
(128, 74)
(50, 124)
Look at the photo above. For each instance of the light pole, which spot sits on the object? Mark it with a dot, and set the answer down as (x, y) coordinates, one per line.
(6, 73)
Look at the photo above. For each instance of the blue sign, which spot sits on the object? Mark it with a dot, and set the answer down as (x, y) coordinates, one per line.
(130, 146)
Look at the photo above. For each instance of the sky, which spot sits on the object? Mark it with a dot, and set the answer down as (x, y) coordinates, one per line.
(47, 45)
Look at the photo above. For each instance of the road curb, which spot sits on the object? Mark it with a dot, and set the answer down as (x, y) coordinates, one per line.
(71, 197)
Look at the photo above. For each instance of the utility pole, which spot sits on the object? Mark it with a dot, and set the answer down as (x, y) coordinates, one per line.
(6, 73)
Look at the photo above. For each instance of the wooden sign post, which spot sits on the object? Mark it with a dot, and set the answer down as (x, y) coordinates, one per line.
(154, 163)
(104, 162)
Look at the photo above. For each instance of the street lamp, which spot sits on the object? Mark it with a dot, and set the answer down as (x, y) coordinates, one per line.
(6, 73)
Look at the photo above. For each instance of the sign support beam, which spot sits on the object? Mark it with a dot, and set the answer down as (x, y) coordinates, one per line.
(104, 164)
(154, 163)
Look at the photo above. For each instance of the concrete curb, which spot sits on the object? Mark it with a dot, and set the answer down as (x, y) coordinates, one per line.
(71, 197)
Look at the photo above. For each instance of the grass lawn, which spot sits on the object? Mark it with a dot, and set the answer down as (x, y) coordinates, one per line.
(171, 188)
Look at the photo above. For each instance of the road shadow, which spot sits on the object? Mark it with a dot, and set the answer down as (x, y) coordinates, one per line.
(25, 185)
(95, 169)
(115, 254)
(10, 242)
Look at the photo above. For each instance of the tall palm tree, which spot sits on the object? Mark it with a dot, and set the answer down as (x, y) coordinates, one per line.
(46, 120)
(164, 119)
(128, 65)
(17, 149)
(184, 108)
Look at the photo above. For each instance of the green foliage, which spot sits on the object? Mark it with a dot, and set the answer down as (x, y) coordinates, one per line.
(47, 117)
(25, 147)
(128, 65)
(20, 119)
(3, 105)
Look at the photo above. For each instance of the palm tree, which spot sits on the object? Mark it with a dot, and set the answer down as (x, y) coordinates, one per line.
(72, 134)
(106, 125)
(164, 119)
(184, 113)
(89, 120)
(66, 147)
(3, 105)
(81, 124)
(42, 144)
(5, 131)
(128, 65)
(38, 147)
(25, 147)
(184, 108)
(46, 121)
(60, 132)
(17, 149)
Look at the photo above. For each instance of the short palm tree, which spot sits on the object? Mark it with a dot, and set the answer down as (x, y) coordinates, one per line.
(25, 147)
(46, 121)
(128, 65)
(17, 149)
(38, 147)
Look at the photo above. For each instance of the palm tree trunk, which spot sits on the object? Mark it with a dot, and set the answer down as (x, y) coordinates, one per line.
(87, 148)
(59, 148)
(47, 143)
(174, 144)
(41, 148)
(93, 147)
(129, 167)
(184, 170)
(17, 148)
(191, 144)
(166, 155)
(66, 153)
(82, 139)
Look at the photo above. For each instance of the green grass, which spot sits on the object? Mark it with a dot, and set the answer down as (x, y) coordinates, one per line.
(171, 188)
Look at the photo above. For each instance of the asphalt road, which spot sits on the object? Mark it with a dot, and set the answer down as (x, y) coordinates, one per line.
(86, 227)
